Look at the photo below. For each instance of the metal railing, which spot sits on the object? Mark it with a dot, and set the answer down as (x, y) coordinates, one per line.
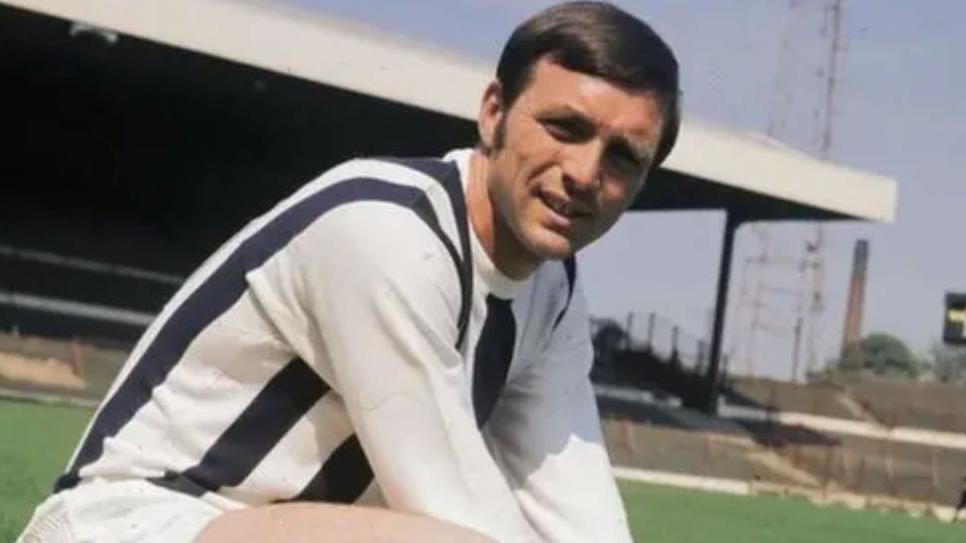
(660, 337)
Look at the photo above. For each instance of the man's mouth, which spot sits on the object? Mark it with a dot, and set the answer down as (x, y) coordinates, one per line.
(564, 207)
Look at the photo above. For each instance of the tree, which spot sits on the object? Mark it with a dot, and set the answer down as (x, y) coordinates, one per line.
(882, 354)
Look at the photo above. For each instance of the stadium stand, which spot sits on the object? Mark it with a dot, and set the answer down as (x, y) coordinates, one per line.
(95, 366)
(817, 399)
(643, 383)
(937, 406)
(682, 451)
(879, 467)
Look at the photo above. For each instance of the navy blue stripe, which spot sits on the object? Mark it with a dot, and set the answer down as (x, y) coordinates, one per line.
(570, 268)
(175, 480)
(424, 209)
(343, 477)
(494, 351)
(243, 445)
(447, 174)
(216, 294)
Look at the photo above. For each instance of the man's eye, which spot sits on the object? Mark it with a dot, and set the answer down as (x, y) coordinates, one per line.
(626, 163)
(562, 130)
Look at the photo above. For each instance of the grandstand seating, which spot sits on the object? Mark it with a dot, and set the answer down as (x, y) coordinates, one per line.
(937, 406)
(682, 451)
(874, 466)
(817, 399)
(98, 364)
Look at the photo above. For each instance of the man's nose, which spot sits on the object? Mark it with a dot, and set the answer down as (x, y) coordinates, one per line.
(582, 168)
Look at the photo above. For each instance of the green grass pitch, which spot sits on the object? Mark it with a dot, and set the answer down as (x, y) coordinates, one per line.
(661, 514)
(35, 441)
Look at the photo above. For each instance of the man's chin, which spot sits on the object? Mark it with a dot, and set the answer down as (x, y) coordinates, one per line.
(551, 246)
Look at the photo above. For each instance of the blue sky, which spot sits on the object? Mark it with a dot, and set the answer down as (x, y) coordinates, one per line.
(900, 112)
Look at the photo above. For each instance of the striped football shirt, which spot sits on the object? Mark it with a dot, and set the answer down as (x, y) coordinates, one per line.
(355, 344)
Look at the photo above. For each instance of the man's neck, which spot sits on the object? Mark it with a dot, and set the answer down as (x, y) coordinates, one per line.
(494, 235)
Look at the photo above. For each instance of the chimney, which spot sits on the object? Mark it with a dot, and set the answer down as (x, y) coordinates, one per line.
(852, 334)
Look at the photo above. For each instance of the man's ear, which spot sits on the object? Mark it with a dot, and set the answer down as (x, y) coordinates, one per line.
(491, 113)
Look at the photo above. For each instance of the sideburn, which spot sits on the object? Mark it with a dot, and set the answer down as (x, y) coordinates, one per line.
(499, 135)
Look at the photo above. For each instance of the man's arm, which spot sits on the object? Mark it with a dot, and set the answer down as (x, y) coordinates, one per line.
(381, 295)
(545, 434)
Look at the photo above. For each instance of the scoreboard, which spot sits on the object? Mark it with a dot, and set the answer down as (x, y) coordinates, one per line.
(954, 319)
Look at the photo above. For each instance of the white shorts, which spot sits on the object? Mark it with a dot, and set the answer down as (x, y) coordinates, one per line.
(118, 512)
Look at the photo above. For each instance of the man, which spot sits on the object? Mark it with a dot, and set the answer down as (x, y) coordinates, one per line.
(409, 333)
(962, 502)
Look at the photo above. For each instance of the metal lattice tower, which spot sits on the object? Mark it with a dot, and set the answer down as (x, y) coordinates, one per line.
(757, 296)
(833, 35)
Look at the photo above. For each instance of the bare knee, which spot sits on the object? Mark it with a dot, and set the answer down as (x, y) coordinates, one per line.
(305, 523)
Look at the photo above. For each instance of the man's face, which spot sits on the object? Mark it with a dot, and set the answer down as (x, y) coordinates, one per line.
(575, 152)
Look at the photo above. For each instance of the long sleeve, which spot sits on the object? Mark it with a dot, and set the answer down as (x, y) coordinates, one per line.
(545, 434)
(382, 295)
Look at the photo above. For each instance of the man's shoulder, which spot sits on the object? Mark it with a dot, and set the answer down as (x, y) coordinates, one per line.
(379, 234)
(430, 186)
(425, 173)
(437, 169)
(417, 184)
(383, 207)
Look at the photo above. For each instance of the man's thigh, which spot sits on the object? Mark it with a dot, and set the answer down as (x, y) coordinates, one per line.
(312, 523)
(136, 510)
